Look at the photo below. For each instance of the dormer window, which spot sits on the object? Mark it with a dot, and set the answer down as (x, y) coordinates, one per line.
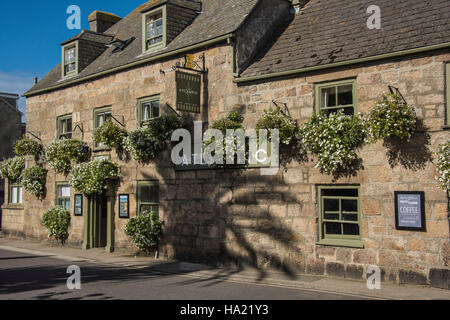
(70, 61)
(154, 29)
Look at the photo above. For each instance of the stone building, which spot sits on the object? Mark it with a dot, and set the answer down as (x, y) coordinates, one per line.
(10, 131)
(258, 53)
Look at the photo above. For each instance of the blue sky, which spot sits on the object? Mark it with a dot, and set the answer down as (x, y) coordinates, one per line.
(31, 33)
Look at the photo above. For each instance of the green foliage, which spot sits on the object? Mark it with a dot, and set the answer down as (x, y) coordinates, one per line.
(391, 118)
(33, 180)
(145, 230)
(334, 140)
(443, 165)
(56, 221)
(61, 154)
(232, 121)
(26, 146)
(92, 178)
(111, 135)
(146, 143)
(12, 168)
(286, 125)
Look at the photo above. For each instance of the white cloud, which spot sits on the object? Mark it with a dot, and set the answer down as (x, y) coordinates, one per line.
(16, 82)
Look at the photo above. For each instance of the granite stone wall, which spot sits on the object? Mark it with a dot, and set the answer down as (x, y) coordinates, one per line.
(270, 222)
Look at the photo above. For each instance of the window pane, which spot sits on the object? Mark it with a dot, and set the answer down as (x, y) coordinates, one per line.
(331, 216)
(14, 194)
(19, 195)
(331, 205)
(146, 111)
(149, 208)
(70, 55)
(350, 217)
(63, 191)
(340, 192)
(333, 228)
(155, 109)
(328, 97)
(345, 95)
(69, 125)
(350, 205)
(149, 193)
(351, 229)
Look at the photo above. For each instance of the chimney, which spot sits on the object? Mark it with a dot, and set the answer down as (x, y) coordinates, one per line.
(100, 21)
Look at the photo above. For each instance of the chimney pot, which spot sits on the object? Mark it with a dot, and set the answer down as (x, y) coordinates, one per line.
(100, 21)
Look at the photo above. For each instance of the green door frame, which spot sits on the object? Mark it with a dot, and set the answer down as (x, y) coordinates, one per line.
(91, 224)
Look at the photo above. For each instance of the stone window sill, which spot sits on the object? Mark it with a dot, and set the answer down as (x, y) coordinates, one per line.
(13, 207)
(341, 243)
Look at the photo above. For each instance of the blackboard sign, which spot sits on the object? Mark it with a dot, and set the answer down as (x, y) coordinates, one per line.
(410, 210)
(188, 88)
(124, 206)
(78, 206)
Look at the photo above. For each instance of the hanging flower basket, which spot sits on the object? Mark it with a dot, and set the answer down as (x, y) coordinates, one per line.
(61, 153)
(33, 181)
(232, 121)
(12, 169)
(91, 178)
(146, 143)
(334, 140)
(27, 147)
(391, 118)
(110, 135)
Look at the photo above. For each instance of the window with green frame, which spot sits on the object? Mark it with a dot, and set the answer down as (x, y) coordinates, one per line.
(148, 108)
(63, 196)
(447, 101)
(148, 197)
(339, 216)
(154, 29)
(101, 115)
(70, 54)
(15, 193)
(65, 127)
(333, 96)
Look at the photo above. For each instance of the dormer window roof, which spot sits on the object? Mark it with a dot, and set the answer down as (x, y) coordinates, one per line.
(164, 20)
(79, 51)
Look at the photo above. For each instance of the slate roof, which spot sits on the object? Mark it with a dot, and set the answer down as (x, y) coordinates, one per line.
(331, 31)
(218, 18)
(90, 36)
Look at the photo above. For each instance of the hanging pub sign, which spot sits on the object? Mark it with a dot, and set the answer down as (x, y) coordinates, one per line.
(188, 88)
(78, 206)
(410, 210)
(124, 206)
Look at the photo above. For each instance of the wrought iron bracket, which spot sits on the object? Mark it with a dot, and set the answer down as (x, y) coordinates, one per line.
(79, 126)
(285, 111)
(120, 123)
(35, 136)
(173, 110)
(395, 90)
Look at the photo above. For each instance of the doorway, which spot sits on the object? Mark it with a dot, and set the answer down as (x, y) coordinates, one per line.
(96, 222)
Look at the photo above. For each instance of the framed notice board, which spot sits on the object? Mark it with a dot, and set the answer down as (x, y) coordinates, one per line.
(410, 210)
(78, 206)
(124, 206)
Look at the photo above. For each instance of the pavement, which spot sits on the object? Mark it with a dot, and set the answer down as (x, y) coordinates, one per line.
(38, 262)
